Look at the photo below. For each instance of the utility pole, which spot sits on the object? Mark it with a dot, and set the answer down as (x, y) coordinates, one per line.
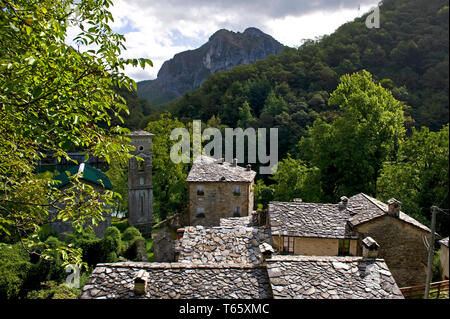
(430, 251)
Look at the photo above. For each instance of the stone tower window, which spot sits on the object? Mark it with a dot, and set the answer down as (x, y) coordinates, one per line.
(141, 181)
(237, 190)
(200, 212)
(141, 148)
(237, 211)
(200, 191)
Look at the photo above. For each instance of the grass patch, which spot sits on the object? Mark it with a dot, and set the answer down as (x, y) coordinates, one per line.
(148, 247)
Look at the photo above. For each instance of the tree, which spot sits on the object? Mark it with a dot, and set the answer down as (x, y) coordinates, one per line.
(350, 151)
(169, 178)
(293, 179)
(53, 98)
(419, 178)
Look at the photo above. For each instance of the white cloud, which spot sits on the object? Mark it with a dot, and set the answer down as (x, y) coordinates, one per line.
(161, 28)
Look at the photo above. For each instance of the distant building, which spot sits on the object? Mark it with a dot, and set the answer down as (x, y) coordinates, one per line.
(89, 175)
(217, 189)
(140, 187)
(338, 229)
(444, 258)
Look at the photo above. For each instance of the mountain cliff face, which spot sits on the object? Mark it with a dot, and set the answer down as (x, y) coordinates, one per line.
(187, 70)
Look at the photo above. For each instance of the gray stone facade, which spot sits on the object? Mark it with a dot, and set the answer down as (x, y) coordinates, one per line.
(140, 188)
(217, 189)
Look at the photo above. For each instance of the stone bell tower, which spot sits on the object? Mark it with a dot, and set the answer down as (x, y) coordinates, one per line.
(140, 189)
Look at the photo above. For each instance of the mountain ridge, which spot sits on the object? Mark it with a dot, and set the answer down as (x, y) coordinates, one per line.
(188, 69)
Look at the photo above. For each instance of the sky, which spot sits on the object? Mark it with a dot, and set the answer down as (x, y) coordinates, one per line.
(158, 29)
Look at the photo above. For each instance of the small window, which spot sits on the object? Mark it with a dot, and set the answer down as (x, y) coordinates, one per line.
(200, 212)
(237, 212)
(344, 247)
(288, 245)
(200, 191)
(141, 180)
(237, 190)
(141, 148)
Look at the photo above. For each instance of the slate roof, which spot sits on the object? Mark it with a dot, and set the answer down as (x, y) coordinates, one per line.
(140, 133)
(329, 220)
(178, 280)
(364, 208)
(444, 242)
(222, 245)
(309, 220)
(238, 221)
(88, 173)
(318, 277)
(207, 169)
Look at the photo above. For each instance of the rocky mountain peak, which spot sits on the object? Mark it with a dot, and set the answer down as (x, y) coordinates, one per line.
(187, 70)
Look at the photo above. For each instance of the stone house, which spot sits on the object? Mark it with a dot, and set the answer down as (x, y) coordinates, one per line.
(338, 229)
(444, 258)
(311, 229)
(217, 189)
(88, 175)
(225, 271)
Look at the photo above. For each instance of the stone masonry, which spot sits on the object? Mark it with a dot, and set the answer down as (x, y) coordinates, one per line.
(218, 189)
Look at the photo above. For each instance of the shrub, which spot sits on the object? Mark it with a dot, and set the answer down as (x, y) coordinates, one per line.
(133, 244)
(14, 267)
(131, 233)
(54, 290)
(135, 250)
(121, 224)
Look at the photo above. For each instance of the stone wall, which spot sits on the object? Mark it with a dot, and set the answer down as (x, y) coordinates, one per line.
(163, 247)
(218, 201)
(401, 246)
(222, 245)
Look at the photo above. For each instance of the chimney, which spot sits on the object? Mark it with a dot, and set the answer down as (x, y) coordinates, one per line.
(343, 203)
(180, 233)
(370, 248)
(394, 207)
(234, 162)
(266, 250)
(140, 283)
(249, 167)
(298, 200)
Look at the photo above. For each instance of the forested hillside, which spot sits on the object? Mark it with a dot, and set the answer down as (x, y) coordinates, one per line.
(408, 55)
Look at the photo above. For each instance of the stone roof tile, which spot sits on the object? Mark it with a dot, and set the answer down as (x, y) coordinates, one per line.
(178, 280)
(331, 277)
(207, 169)
(309, 220)
(365, 208)
(222, 245)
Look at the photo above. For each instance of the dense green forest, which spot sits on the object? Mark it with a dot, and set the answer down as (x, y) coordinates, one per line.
(408, 55)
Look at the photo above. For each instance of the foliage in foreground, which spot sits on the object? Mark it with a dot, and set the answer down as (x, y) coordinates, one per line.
(55, 98)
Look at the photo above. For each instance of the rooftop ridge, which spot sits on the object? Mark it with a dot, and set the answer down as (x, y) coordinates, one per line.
(175, 265)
